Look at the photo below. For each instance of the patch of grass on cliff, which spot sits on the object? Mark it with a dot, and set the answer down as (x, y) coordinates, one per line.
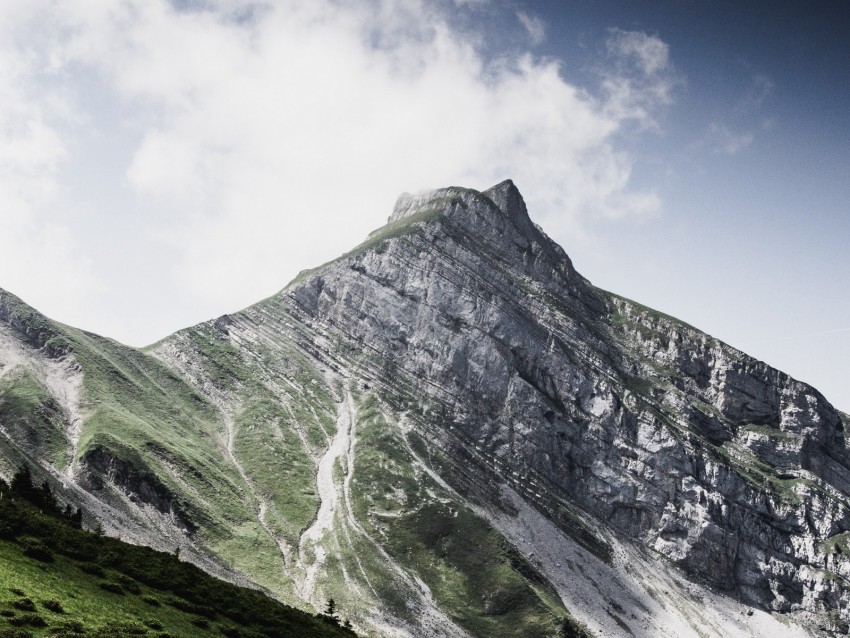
(838, 544)
(764, 477)
(279, 466)
(378, 238)
(482, 582)
(406, 225)
(616, 317)
(249, 548)
(144, 413)
(766, 430)
(222, 361)
(58, 580)
(32, 417)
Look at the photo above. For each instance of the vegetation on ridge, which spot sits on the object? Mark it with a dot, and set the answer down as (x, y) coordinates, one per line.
(59, 580)
(31, 416)
(474, 574)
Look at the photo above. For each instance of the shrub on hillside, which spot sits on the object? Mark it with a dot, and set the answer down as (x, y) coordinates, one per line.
(24, 604)
(69, 629)
(128, 584)
(53, 605)
(33, 620)
(90, 568)
(35, 548)
(190, 608)
(153, 623)
(113, 588)
(121, 629)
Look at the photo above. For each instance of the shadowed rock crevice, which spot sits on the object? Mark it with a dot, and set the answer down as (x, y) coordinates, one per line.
(102, 468)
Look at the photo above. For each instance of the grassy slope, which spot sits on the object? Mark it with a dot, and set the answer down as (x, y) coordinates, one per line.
(146, 592)
(143, 410)
(141, 413)
(282, 415)
(475, 576)
(31, 416)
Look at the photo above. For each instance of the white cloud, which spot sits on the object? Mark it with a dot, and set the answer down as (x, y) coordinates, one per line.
(38, 251)
(637, 77)
(267, 140)
(649, 52)
(723, 141)
(761, 87)
(534, 26)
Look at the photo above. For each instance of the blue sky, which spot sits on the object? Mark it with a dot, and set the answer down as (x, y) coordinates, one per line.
(752, 163)
(164, 163)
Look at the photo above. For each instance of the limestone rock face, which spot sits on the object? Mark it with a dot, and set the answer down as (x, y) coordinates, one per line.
(476, 322)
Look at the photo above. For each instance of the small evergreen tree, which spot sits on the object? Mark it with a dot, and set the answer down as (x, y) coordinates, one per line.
(44, 497)
(22, 484)
(75, 519)
(330, 610)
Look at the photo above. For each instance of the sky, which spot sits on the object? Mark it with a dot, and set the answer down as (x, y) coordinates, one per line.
(164, 162)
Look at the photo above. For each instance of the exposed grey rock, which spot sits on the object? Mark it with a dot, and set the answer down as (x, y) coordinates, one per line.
(478, 323)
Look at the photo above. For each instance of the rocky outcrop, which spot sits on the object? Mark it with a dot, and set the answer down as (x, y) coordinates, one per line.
(102, 469)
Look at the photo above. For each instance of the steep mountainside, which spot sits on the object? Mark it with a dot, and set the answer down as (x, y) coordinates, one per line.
(60, 581)
(452, 433)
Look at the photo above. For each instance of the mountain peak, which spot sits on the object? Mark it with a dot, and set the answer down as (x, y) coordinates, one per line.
(505, 196)
(409, 204)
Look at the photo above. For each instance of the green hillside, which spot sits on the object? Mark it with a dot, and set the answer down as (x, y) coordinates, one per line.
(59, 580)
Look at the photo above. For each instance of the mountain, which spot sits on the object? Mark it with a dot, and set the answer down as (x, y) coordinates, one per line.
(451, 432)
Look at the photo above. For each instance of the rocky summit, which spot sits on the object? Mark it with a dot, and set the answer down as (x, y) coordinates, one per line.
(451, 433)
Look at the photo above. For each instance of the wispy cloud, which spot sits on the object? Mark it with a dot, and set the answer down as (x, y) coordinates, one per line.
(638, 77)
(723, 141)
(737, 131)
(262, 141)
(649, 52)
(36, 238)
(760, 89)
(534, 26)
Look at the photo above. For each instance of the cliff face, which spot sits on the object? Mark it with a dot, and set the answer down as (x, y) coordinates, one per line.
(451, 432)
